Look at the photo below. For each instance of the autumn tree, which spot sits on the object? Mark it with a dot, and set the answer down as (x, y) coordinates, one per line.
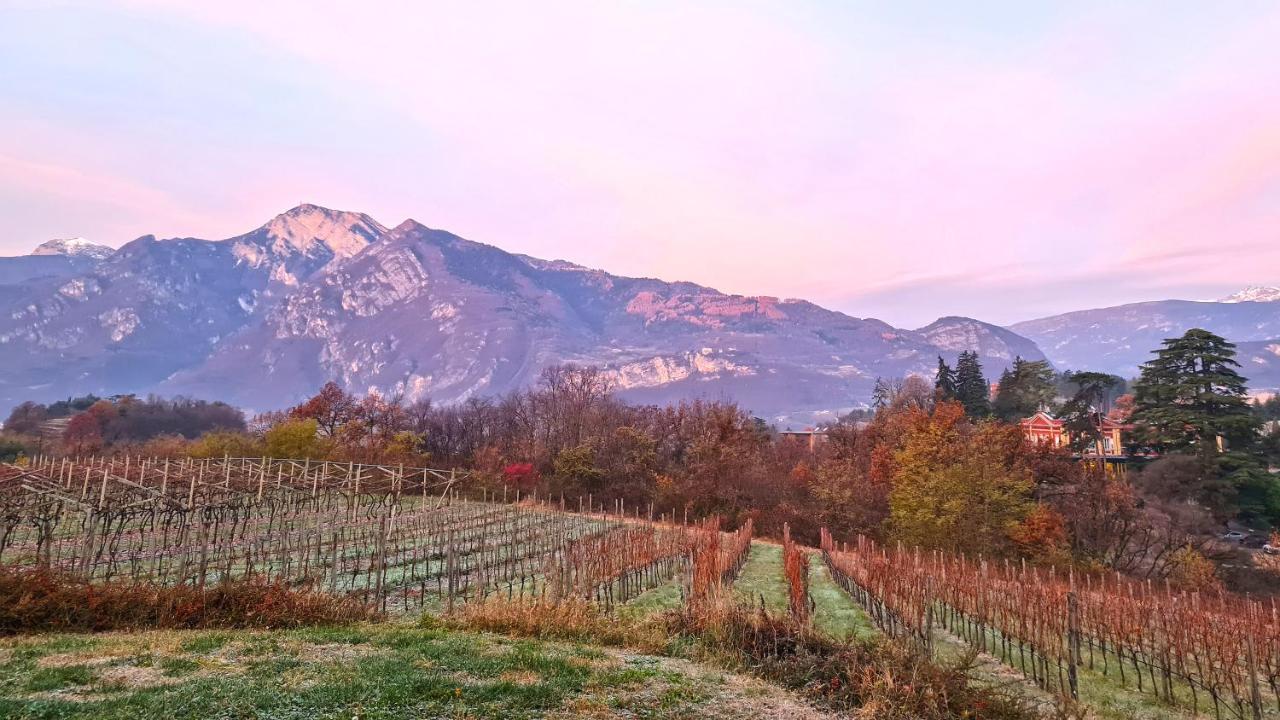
(960, 486)
(629, 462)
(910, 391)
(83, 434)
(295, 438)
(26, 418)
(331, 408)
(227, 443)
(576, 473)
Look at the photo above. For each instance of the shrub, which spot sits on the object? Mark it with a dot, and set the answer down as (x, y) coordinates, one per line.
(11, 449)
(520, 476)
(295, 439)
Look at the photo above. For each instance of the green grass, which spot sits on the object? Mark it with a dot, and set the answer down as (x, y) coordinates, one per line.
(835, 613)
(762, 577)
(664, 597)
(386, 671)
(56, 677)
(1105, 697)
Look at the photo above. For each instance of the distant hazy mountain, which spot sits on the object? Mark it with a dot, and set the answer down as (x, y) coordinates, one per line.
(996, 346)
(1260, 362)
(264, 318)
(1119, 339)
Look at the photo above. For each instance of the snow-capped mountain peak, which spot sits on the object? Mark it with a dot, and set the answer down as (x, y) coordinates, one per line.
(1254, 293)
(342, 233)
(77, 246)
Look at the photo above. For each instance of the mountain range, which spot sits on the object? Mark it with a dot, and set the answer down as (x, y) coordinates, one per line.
(263, 319)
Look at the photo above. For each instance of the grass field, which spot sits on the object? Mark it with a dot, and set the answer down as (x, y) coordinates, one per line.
(761, 579)
(366, 671)
(835, 613)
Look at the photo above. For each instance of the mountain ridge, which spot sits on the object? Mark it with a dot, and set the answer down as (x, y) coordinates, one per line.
(314, 294)
(263, 318)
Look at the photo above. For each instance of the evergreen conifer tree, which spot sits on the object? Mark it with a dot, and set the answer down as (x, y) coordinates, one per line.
(972, 389)
(1024, 388)
(945, 383)
(1190, 399)
(1082, 413)
(1190, 394)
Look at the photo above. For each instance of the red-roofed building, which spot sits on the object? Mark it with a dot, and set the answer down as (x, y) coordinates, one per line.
(1044, 429)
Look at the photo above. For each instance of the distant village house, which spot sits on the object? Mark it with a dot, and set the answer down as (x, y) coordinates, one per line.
(809, 437)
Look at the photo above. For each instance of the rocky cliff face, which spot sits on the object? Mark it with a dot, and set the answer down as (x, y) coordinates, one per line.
(265, 318)
(997, 347)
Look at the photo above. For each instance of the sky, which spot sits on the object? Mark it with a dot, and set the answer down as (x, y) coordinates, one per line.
(902, 160)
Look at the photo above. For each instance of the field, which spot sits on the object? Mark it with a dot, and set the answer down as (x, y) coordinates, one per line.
(407, 544)
(366, 671)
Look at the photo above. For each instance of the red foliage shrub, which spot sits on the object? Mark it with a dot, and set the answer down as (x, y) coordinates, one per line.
(520, 476)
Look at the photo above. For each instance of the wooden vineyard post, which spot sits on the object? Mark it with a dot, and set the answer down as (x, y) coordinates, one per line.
(928, 620)
(191, 493)
(1073, 643)
(1255, 694)
(448, 569)
(381, 594)
(86, 560)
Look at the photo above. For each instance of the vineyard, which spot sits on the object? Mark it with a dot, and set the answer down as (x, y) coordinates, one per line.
(400, 539)
(1209, 653)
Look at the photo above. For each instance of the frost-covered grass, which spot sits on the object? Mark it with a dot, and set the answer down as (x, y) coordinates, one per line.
(762, 577)
(835, 613)
(366, 671)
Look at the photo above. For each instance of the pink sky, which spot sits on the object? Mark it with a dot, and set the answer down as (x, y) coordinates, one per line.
(893, 160)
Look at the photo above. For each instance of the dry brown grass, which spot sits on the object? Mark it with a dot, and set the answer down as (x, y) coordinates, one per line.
(574, 620)
(33, 600)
